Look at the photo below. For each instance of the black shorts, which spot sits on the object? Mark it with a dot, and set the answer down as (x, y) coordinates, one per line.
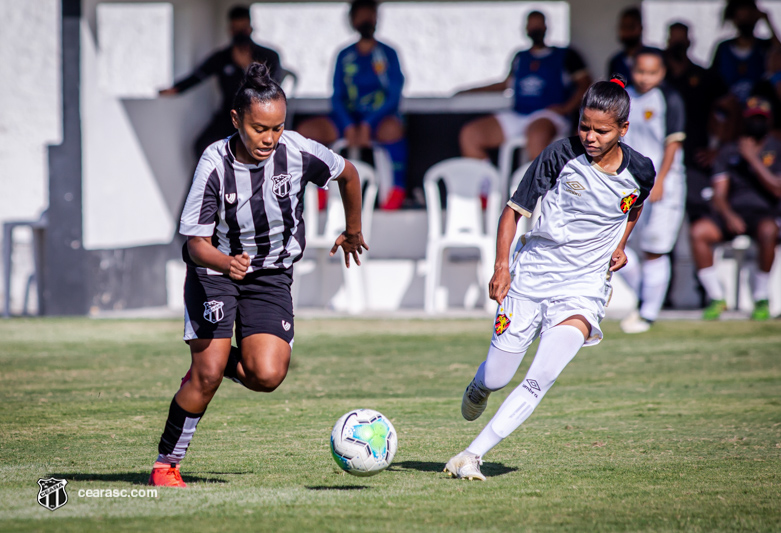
(752, 218)
(260, 303)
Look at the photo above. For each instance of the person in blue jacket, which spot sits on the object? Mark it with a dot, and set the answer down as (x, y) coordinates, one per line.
(548, 83)
(365, 104)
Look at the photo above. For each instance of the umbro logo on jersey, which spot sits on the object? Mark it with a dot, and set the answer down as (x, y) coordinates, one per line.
(213, 311)
(230, 197)
(281, 184)
(573, 186)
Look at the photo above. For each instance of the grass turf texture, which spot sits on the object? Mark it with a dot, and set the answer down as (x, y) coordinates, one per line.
(676, 429)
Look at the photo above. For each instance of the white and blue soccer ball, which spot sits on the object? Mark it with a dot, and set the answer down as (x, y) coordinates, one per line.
(363, 442)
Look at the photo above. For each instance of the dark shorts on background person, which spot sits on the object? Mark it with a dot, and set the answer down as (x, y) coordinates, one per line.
(752, 218)
(260, 303)
(698, 194)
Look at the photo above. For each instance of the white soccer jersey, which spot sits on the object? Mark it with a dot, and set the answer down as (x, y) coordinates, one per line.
(657, 118)
(257, 208)
(583, 216)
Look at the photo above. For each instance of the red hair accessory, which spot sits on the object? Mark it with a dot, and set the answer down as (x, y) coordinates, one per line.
(618, 82)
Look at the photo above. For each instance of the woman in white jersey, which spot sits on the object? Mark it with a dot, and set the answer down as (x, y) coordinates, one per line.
(592, 188)
(244, 227)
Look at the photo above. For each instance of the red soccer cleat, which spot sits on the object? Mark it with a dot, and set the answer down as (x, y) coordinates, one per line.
(166, 476)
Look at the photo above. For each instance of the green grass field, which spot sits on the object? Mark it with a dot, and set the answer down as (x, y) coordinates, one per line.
(678, 429)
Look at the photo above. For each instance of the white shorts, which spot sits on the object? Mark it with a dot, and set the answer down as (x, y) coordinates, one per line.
(515, 124)
(521, 320)
(658, 227)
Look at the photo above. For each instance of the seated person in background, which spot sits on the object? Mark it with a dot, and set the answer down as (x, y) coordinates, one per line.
(365, 103)
(630, 35)
(740, 62)
(229, 64)
(657, 130)
(549, 83)
(746, 192)
(702, 91)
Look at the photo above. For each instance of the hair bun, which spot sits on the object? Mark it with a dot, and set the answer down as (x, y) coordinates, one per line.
(258, 75)
(618, 79)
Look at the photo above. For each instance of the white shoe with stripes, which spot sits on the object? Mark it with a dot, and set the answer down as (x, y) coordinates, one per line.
(474, 402)
(465, 465)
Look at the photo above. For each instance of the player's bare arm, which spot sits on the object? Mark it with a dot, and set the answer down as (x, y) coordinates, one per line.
(500, 281)
(203, 252)
(618, 259)
(351, 240)
(750, 149)
(670, 149)
(734, 222)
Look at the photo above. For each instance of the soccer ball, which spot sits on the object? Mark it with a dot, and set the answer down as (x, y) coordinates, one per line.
(363, 442)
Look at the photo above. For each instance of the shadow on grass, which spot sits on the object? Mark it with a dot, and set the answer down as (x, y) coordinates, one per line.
(345, 487)
(134, 478)
(489, 469)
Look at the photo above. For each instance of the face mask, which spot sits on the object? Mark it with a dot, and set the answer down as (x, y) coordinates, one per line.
(746, 29)
(241, 39)
(537, 37)
(366, 30)
(630, 42)
(677, 51)
(756, 128)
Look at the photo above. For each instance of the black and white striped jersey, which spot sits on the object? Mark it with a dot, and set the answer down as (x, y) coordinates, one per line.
(257, 209)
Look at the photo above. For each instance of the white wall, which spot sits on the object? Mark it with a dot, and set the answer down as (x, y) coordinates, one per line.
(30, 117)
(442, 46)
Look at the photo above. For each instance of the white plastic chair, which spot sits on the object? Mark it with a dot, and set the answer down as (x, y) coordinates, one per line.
(466, 226)
(353, 300)
(383, 166)
(506, 153)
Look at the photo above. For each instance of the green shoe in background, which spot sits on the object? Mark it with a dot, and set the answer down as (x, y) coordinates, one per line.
(761, 310)
(714, 310)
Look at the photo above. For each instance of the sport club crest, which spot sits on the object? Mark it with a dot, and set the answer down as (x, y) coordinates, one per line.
(281, 184)
(501, 324)
(52, 493)
(627, 202)
(213, 311)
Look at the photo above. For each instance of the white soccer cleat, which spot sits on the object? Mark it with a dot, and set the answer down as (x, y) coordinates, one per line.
(634, 323)
(474, 401)
(465, 465)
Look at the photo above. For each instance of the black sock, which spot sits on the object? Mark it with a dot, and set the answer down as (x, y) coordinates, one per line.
(233, 362)
(178, 432)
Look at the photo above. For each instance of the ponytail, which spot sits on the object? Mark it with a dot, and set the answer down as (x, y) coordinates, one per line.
(608, 97)
(257, 86)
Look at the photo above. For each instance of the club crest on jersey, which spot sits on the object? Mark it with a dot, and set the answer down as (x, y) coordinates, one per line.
(230, 197)
(213, 311)
(627, 202)
(501, 324)
(768, 158)
(281, 184)
(648, 114)
(52, 493)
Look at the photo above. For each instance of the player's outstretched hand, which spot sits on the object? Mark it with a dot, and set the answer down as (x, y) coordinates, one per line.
(352, 244)
(239, 266)
(618, 260)
(500, 284)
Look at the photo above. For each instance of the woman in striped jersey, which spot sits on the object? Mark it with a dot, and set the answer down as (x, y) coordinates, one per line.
(244, 227)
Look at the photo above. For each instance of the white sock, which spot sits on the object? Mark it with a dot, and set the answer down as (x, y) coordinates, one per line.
(558, 347)
(761, 282)
(631, 272)
(710, 282)
(656, 279)
(498, 369)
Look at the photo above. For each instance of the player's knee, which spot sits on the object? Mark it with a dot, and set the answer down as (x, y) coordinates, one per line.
(467, 137)
(767, 232)
(266, 381)
(207, 380)
(704, 231)
(389, 130)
